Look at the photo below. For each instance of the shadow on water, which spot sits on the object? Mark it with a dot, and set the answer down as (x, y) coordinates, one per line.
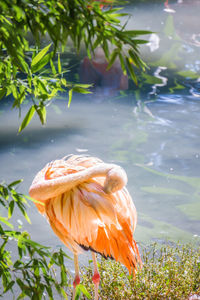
(34, 137)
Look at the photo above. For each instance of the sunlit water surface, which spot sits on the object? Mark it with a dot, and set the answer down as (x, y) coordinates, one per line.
(155, 136)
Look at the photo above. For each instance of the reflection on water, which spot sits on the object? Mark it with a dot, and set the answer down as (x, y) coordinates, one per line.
(105, 81)
(156, 141)
(162, 79)
(174, 45)
(186, 19)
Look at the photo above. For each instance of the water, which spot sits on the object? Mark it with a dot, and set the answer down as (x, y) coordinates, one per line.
(151, 130)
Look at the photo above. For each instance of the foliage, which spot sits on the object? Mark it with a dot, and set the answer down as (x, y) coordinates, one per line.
(169, 272)
(37, 272)
(34, 270)
(35, 72)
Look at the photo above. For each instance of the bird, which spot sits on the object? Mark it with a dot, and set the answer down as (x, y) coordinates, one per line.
(89, 208)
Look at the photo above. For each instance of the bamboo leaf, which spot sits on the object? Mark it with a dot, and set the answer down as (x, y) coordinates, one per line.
(122, 64)
(59, 64)
(64, 293)
(80, 90)
(2, 92)
(78, 293)
(26, 217)
(41, 111)
(4, 220)
(97, 42)
(9, 286)
(137, 32)
(84, 85)
(14, 183)
(132, 73)
(27, 118)
(43, 62)
(112, 58)
(70, 97)
(53, 69)
(11, 208)
(140, 41)
(35, 201)
(82, 289)
(40, 55)
(137, 60)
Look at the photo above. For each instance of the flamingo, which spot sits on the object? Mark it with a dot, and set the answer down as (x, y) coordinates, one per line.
(89, 208)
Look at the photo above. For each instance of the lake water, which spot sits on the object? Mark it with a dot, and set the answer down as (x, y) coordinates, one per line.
(152, 131)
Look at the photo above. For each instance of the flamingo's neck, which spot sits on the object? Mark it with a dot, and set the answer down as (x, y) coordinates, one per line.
(115, 179)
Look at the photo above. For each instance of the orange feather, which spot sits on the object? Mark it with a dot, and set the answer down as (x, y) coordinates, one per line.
(85, 216)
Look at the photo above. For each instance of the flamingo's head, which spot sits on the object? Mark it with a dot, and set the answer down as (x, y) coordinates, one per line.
(115, 180)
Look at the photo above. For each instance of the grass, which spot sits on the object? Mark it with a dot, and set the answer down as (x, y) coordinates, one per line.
(169, 272)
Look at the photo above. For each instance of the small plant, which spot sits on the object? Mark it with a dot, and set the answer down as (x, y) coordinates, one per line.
(168, 272)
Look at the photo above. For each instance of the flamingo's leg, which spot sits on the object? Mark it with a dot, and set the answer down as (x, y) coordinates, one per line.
(77, 277)
(96, 276)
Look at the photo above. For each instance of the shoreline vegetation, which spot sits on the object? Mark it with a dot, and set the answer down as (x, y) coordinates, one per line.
(34, 271)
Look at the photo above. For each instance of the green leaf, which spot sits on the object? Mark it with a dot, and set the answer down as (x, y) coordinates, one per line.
(21, 284)
(140, 42)
(70, 97)
(82, 289)
(26, 216)
(106, 48)
(27, 118)
(53, 69)
(137, 32)
(64, 293)
(80, 90)
(2, 92)
(112, 58)
(40, 55)
(113, 10)
(11, 208)
(21, 63)
(59, 64)
(43, 62)
(9, 286)
(4, 220)
(97, 42)
(35, 201)
(16, 182)
(34, 244)
(132, 73)
(122, 63)
(41, 111)
(136, 60)
(84, 85)
(78, 293)
(17, 263)
(14, 91)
